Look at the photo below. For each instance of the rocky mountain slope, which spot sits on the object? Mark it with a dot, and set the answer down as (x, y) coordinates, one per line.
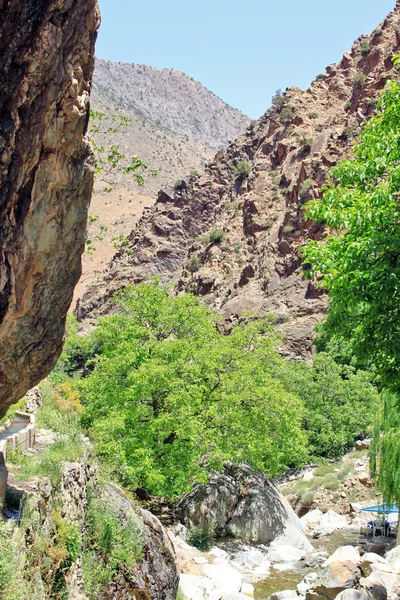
(256, 266)
(176, 123)
(46, 178)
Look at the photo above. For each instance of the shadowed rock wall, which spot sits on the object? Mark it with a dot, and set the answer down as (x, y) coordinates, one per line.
(46, 177)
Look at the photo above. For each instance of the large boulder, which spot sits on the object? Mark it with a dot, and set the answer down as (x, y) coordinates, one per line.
(46, 178)
(344, 554)
(243, 503)
(334, 579)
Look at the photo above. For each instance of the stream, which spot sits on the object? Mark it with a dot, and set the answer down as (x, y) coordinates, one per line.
(289, 578)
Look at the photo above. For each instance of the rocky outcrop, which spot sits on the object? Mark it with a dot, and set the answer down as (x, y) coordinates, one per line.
(156, 575)
(46, 64)
(257, 266)
(243, 503)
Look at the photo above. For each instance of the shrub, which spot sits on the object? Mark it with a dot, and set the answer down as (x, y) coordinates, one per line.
(201, 539)
(194, 263)
(378, 32)
(319, 77)
(179, 184)
(216, 236)
(242, 170)
(347, 133)
(306, 143)
(305, 187)
(347, 106)
(372, 103)
(365, 48)
(313, 114)
(359, 80)
(286, 115)
(278, 99)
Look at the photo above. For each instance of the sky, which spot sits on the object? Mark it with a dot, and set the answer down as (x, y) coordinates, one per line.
(242, 51)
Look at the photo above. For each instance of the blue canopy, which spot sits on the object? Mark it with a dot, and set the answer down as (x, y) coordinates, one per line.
(386, 509)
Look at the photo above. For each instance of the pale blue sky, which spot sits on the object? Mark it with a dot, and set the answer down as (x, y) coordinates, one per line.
(242, 51)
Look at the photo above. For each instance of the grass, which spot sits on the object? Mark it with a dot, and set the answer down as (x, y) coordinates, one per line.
(201, 539)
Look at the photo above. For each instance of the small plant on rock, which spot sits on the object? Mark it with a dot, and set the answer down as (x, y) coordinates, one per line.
(378, 32)
(242, 170)
(286, 115)
(194, 263)
(365, 48)
(319, 77)
(216, 236)
(278, 99)
(201, 539)
(359, 80)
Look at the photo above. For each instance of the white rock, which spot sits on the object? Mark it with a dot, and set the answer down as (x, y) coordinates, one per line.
(306, 583)
(351, 594)
(395, 564)
(285, 595)
(249, 558)
(286, 554)
(218, 553)
(390, 581)
(372, 557)
(247, 589)
(235, 596)
(283, 566)
(344, 554)
(196, 587)
(311, 519)
(200, 560)
(383, 568)
(330, 521)
(308, 476)
(224, 577)
(262, 570)
(393, 555)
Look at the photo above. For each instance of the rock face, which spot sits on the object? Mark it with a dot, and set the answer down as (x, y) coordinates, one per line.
(46, 64)
(257, 266)
(242, 503)
(156, 574)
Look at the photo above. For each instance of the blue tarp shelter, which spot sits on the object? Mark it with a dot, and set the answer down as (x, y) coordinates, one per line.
(386, 509)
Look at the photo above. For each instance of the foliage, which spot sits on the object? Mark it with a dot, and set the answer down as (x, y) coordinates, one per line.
(358, 262)
(305, 188)
(306, 142)
(111, 165)
(359, 80)
(12, 586)
(179, 184)
(319, 77)
(286, 116)
(201, 539)
(378, 32)
(194, 263)
(111, 545)
(313, 114)
(347, 106)
(170, 397)
(216, 236)
(385, 449)
(340, 403)
(365, 48)
(278, 99)
(242, 170)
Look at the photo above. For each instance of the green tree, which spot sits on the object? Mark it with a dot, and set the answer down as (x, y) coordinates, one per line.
(170, 397)
(358, 262)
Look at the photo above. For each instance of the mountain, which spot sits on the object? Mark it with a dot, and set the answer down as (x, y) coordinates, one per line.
(286, 155)
(176, 123)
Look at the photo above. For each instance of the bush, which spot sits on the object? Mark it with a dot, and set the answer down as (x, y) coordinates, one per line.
(365, 48)
(286, 116)
(278, 99)
(305, 188)
(216, 236)
(313, 114)
(347, 106)
(242, 170)
(201, 539)
(179, 184)
(372, 103)
(306, 143)
(319, 77)
(194, 263)
(359, 80)
(378, 32)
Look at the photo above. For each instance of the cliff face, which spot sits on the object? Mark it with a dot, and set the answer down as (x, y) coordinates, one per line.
(289, 150)
(46, 65)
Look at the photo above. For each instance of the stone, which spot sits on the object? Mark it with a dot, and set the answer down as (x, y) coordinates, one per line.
(247, 589)
(200, 560)
(261, 515)
(330, 521)
(363, 478)
(286, 554)
(377, 580)
(197, 587)
(309, 476)
(46, 179)
(284, 595)
(351, 594)
(311, 519)
(306, 583)
(224, 577)
(363, 444)
(344, 554)
(333, 579)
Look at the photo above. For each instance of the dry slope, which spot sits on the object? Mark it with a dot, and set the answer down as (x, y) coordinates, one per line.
(257, 265)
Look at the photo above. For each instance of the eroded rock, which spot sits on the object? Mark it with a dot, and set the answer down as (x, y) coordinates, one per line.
(46, 177)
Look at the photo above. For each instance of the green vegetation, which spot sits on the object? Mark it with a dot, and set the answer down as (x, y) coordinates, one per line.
(201, 539)
(286, 115)
(305, 188)
(347, 106)
(313, 114)
(242, 170)
(359, 80)
(358, 263)
(166, 397)
(194, 263)
(378, 32)
(319, 77)
(365, 48)
(216, 236)
(278, 99)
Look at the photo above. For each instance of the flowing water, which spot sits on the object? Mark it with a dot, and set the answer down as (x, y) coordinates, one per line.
(288, 579)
